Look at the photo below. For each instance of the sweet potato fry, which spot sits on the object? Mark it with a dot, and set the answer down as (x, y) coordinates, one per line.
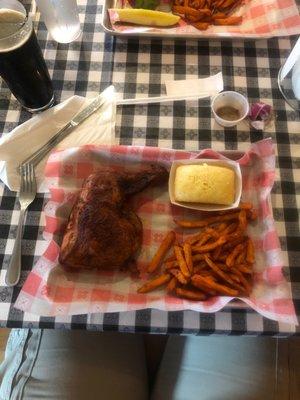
(201, 4)
(223, 256)
(187, 10)
(213, 233)
(171, 264)
(176, 243)
(218, 271)
(171, 285)
(171, 258)
(236, 235)
(211, 246)
(202, 13)
(244, 268)
(199, 257)
(221, 227)
(250, 257)
(181, 261)
(233, 20)
(245, 205)
(194, 238)
(227, 3)
(232, 256)
(210, 278)
(155, 283)
(206, 285)
(217, 252)
(219, 15)
(161, 251)
(234, 6)
(190, 294)
(205, 273)
(204, 239)
(235, 278)
(207, 221)
(240, 259)
(222, 266)
(206, 11)
(179, 276)
(243, 281)
(205, 19)
(242, 220)
(218, 4)
(193, 19)
(200, 282)
(187, 249)
(217, 260)
(199, 268)
(233, 242)
(230, 228)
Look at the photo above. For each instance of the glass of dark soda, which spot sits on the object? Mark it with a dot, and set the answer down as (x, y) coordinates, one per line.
(22, 65)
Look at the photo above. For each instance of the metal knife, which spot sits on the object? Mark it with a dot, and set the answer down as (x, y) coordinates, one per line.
(36, 157)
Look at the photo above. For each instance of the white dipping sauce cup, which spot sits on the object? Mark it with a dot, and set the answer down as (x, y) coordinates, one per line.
(230, 99)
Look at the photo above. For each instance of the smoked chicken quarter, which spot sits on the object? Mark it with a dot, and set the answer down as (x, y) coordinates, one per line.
(102, 231)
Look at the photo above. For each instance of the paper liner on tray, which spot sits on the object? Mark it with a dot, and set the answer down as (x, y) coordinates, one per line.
(50, 290)
(261, 18)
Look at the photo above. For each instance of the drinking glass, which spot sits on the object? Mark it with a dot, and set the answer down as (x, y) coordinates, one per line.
(22, 65)
(289, 78)
(61, 19)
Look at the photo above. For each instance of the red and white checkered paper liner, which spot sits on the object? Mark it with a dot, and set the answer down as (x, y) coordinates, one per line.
(261, 18)
(50, 290)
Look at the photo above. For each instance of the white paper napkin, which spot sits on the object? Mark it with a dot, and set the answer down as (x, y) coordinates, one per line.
(24, 140)
(186, 89)
(203, 87)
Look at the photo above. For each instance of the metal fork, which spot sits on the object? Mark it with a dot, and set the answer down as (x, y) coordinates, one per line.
(26, 197)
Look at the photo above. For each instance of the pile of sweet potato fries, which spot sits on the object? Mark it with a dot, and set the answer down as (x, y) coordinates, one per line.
(215, 261)
(203, 13)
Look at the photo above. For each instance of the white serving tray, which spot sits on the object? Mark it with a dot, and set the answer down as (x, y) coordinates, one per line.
(107, 27)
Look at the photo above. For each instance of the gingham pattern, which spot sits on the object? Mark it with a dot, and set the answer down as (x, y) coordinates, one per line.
(139, 68)
(266, 18)
(50, 291)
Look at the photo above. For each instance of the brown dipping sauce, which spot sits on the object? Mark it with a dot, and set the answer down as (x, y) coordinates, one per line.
(228, 113)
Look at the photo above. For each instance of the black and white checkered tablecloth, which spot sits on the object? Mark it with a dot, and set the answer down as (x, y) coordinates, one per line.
(139, 68)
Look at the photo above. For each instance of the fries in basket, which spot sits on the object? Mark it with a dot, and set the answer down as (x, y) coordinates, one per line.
(215, 261)
(203, 13)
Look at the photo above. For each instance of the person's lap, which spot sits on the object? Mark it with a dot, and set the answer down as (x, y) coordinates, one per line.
(81, 365)
(78, 365)
(217, 368)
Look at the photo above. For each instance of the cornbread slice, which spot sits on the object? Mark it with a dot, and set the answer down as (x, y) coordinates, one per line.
(203, 183)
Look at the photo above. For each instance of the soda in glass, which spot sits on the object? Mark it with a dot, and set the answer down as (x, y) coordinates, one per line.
(22, 65)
